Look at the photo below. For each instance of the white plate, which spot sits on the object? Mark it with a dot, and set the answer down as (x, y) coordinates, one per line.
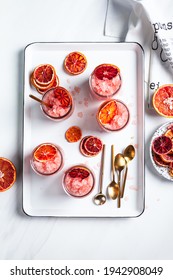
(163, 171)
(44, 196)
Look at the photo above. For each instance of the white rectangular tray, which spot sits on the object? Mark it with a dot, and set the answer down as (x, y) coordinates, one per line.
(44, 196)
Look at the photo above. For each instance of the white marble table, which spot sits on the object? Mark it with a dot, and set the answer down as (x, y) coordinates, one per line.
(149, 236)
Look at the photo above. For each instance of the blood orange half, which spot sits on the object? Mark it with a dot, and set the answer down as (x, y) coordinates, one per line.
(106, 71)
(73, 134)
(75, 63)
(93, 145)
(162, 145)
(107, 112)
(45, 152)
(7, 174)
(163, 100)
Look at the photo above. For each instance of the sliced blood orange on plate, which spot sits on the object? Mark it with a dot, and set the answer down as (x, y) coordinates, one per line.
(75, 63)
(45, 152)
(167, 158)
(44, 74)
(7, 174)
(159, 161)
(79, 172)
(63, 96)
(108, 112)
(73, 134)
(106, 71)
(163, 101)
(162, 145)
(169, 133)
(93, 145)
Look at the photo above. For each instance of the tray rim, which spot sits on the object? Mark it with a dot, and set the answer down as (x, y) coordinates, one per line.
(143, 138)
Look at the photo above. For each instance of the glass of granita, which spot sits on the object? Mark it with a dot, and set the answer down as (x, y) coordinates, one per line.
(47, 159)
(105, 81)
(113, 115)
(78, 181)
(57, 104)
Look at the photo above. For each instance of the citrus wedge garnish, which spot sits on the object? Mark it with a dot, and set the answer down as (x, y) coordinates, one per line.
(108, 112)
(163, 100)
(162, 145)
(106, 71)
(44, 74)
(7, 174)
(73, 134)
(45, 152)
(75, 63)
(93, 145)
(79, 172)
(63, 96)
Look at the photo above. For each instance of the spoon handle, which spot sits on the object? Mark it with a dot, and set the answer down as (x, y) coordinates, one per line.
(124, 181)
(112, 162)
(102, 168)
(119, 194)
(39, 100)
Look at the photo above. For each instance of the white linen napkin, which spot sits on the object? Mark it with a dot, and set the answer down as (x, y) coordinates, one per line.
(150, 23)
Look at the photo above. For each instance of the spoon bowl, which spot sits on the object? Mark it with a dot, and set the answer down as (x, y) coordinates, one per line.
(129, 154)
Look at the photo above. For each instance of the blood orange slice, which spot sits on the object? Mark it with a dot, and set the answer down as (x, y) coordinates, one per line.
(54, 84)
(82, 147)
(162, 145)
(169, 133)
(7, 174)
(167, 158)
(44, 74)
(106, 71)
(108, 112)
(75, 63)
(63, 96)
(163, 100)
(73, 134)
(93, 145)
(79, 172)
(45, 152)
(159, 161)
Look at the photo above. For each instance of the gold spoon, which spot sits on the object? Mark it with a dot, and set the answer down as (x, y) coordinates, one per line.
(39, 100)
(119, 165)
(129, 154)
(113, 188)
(100, 198)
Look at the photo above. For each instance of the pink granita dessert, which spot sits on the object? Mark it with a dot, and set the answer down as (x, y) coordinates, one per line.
(120, 120)
(50, 166)
(105, 81)
(57, 107)
(78, 181)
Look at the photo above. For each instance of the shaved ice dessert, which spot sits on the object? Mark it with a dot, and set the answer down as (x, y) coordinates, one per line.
(47, 159)
(113, 115)
(78, 181)
(105, 81)
(58, 104)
